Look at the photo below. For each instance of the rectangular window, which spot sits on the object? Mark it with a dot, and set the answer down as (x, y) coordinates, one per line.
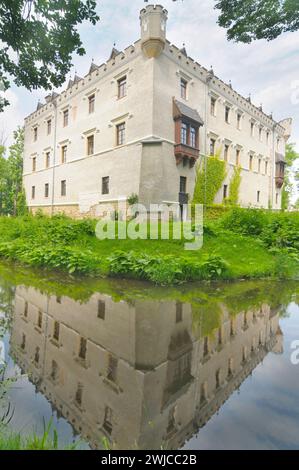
(268, 135)
(65, 118)
(250, 162)
(179, 312)
(79, 394)
(91, 104)
(90, 145)
(212, 147)
(258, 194)
(49, 126)
(266, 168)
(101, 309)
(122, 87)
(213, 106)
(184, 84)
(34, 164)
(47, 190)
(278, 143)
(35, 134)
(107, 425)
(184, 133)
(227, 113)
(252, 129)
(238, 157)
(239, 120)
(183, 184)
(63, 188)
(225, 191)
(54, 370)
(26, 310)
(40, 319)
(47, 159)
(33, 192)
(260, 134)
(193, 137)
(105, 185)
(23, 344)
(112, 368)
(56, 331)
(121, 133)
(226, 150)
(36, 355)
(259, 165)
(63, 153)
(83, 348)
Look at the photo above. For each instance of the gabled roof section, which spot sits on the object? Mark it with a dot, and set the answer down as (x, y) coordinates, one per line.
(114, 53)
(93, 67)
(77, 79)
(183, 51)
(181, 110)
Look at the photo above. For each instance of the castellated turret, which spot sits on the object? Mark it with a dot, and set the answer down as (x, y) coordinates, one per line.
(153, 20)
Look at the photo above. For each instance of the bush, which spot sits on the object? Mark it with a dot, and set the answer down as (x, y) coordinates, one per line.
(167, 270)
(245, 221)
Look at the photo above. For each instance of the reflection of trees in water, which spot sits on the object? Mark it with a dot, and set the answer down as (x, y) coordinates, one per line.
(7, 293)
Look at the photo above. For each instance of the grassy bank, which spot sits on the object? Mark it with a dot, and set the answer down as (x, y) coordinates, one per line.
(241, 244)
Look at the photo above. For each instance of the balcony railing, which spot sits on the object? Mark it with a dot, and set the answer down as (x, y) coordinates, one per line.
(185, 153)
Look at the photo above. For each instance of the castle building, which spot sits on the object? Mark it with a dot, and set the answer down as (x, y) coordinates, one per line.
(141, 124)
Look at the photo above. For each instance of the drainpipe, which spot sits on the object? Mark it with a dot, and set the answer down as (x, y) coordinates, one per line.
(208, 79)
(273, 170)
(54, 157)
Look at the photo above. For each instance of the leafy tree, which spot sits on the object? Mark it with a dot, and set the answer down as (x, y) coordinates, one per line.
(38, 38)
(248, 20)
(3, 180)
(290, 157)
(12, 198)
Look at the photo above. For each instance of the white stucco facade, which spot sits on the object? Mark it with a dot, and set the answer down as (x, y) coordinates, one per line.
(148, 159)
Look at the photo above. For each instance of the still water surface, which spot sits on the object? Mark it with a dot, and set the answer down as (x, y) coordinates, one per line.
(198, 367)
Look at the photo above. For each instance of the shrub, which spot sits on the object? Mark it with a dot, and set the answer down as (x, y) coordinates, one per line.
(167, 270)
(209, 178)
(245, 221)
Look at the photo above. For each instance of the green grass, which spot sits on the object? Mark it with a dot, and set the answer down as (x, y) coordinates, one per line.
(47, 441)
(228, 253)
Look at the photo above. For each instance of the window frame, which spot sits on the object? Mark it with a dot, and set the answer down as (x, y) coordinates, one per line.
(183, 88)
(121, 134)
(105, 181)
(91, 103)
(90, 141)
(122, 87)
(63, 188)
(66, 117)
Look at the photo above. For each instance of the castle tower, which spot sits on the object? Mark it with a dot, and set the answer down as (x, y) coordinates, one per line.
(153, 20)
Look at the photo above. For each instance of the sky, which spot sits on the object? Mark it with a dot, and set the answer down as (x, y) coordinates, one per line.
(267, 70)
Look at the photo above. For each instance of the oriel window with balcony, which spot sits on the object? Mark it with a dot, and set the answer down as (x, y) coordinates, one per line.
(187, 123)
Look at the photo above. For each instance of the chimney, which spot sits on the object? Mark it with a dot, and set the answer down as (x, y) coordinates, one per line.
(153, 20)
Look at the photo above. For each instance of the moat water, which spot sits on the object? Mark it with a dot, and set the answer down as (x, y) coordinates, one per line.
(126, 365)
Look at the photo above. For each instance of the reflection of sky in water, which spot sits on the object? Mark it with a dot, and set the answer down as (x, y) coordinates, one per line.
(32, 410)
(265, 413)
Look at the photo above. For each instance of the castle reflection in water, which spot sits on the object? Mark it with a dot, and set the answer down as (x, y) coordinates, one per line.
(140, 374)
